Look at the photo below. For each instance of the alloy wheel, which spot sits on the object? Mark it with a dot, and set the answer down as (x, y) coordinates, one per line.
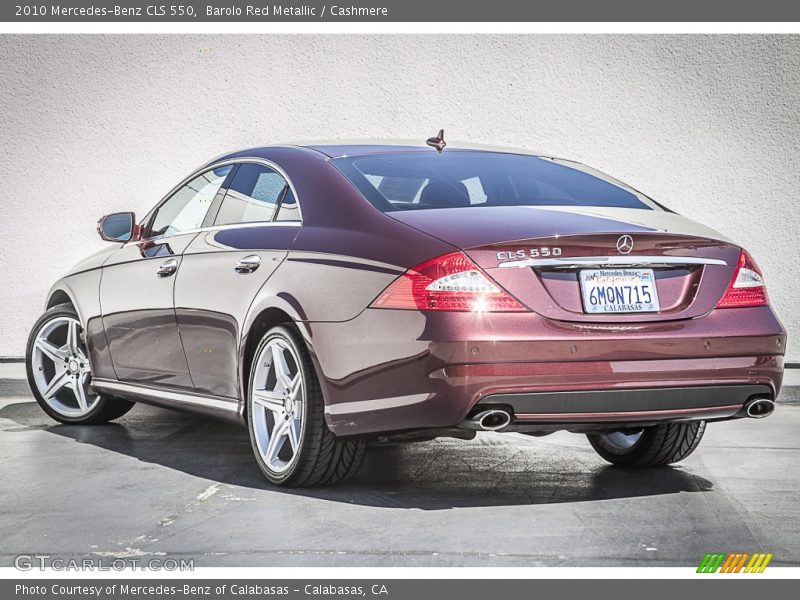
(277, 404)
(61, 369)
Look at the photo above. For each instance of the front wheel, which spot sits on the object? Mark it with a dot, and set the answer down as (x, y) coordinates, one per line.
(291, 441)
(59, 372)
(650, 446)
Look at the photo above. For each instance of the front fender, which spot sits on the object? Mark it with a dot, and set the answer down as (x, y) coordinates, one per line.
(63, 292)
(82, 290)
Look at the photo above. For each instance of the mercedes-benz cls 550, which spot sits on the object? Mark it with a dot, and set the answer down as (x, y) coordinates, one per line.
(331, 295)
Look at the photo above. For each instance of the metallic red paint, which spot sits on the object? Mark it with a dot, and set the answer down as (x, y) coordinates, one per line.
(398, 370)
(431, 369)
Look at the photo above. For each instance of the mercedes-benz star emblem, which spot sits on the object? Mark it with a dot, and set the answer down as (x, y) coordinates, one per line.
(625, 244)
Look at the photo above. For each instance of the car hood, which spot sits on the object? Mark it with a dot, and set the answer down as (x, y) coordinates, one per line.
(469, 227)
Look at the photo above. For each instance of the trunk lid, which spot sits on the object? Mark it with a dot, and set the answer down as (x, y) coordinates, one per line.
(537, 254)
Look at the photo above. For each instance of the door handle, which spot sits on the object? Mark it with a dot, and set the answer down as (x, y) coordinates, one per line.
(168, 268)
(248, 264)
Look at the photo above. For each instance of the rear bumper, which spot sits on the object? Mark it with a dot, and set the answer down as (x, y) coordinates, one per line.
(389, 371)
(626, 406)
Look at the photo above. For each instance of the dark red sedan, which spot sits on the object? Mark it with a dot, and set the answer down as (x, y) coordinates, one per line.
(330, 295)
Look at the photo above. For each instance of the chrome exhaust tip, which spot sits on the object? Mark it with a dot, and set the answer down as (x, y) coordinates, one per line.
(759, 408)
(488, 420)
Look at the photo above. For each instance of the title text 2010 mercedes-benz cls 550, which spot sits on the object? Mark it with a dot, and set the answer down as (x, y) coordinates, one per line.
(330, 295)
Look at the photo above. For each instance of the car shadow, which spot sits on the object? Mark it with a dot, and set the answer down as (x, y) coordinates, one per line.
(492, 470)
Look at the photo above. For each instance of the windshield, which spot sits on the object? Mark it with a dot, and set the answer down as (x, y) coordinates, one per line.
(417, 181)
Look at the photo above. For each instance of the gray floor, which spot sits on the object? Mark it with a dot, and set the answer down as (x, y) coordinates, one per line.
(162, 483)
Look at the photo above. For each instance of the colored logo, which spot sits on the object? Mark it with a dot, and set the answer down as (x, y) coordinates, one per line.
(735, 562)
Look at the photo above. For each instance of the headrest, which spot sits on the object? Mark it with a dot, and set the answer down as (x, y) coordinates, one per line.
(443, 194)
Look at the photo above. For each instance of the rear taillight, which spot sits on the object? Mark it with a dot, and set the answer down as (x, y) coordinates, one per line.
(451, 282)
(747, 286)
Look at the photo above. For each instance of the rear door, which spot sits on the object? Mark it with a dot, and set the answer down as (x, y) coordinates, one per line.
(137, 286)
(224, 268)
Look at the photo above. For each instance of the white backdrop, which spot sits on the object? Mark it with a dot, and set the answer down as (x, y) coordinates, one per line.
(707, 125)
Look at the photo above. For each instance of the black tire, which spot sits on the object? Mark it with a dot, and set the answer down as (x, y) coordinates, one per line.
(322, 458)
(104, 409)
(657, 446)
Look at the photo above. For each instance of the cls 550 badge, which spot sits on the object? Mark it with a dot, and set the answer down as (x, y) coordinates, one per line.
(529, 253)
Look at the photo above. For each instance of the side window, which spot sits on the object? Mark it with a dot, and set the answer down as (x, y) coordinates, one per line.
(252, 195)
(288, 210)
(186, 208)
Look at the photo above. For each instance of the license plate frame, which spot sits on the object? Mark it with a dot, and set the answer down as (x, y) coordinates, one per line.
(632, 291)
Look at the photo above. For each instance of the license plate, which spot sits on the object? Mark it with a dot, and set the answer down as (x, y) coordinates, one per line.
(619, 291)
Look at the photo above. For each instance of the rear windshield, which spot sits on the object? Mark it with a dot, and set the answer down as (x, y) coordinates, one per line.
(418, 181)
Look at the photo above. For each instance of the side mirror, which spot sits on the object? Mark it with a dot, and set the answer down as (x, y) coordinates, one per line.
(118, 227)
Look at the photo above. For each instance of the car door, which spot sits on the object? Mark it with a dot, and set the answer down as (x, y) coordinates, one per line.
(224, 268)
(137, 287)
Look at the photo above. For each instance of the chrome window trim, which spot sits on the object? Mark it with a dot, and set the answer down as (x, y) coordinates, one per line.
(578, 262)
(222, 163)
(232, 226)
(231, 405)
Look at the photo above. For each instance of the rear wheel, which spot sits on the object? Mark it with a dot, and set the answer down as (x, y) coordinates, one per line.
(290, 439)
(650, 446)
(59, 372)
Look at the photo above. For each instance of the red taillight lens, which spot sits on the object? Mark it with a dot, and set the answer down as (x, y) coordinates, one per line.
(451, 282)
(747, 286)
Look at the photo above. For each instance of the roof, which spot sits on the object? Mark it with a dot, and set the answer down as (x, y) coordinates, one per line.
(339, 149)
(356, 149)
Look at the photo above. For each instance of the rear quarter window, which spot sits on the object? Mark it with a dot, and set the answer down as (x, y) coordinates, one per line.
(252, 196)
